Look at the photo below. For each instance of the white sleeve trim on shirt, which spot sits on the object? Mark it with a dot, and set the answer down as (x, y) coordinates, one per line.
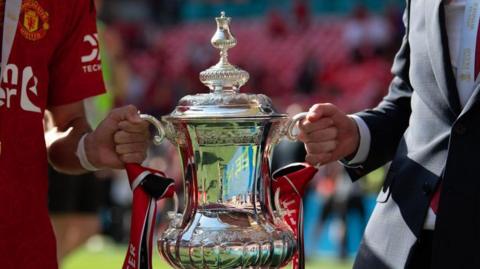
(365, 141)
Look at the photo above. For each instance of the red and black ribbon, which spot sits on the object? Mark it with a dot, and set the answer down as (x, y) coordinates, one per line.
(148, 186)
(291, 182)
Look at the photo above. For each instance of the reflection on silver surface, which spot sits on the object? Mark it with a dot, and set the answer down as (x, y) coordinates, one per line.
(228, 221)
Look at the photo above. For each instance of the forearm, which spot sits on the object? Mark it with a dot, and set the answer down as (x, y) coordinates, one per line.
(62, 150)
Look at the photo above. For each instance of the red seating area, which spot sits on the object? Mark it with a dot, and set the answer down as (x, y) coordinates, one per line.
(279, 59)
(279, 56)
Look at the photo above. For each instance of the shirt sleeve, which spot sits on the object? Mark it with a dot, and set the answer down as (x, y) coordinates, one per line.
(365, 140)
(75, 72)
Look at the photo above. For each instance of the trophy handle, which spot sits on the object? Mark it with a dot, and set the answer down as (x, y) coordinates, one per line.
(293, 123)
(157, 139)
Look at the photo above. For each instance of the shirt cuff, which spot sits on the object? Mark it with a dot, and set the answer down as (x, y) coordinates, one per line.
(365, 141)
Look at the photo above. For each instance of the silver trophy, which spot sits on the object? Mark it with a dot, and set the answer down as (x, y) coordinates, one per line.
(225, 141)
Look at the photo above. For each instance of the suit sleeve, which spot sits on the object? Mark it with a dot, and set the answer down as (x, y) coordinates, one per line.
(75, 72)
(389, 120)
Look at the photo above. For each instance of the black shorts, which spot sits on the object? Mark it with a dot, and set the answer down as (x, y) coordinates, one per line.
(73, 194)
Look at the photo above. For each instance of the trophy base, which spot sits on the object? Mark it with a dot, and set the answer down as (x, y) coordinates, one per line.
(226, 239)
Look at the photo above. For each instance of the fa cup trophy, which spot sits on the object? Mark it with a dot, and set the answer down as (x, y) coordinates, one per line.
(233, 216)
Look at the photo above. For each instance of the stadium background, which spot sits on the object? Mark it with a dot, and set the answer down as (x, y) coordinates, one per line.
(297, 52)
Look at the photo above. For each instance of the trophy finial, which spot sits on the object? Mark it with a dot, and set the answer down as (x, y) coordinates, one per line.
(223, 77)
(223, 38)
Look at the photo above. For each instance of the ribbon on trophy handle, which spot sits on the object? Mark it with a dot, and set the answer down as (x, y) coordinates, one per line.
(289, 184)
(148, 186)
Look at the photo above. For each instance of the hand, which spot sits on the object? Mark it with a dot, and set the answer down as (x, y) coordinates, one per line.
(122, 137)
(329, 134)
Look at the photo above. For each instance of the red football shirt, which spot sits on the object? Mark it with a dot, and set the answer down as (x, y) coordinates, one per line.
(54, 61)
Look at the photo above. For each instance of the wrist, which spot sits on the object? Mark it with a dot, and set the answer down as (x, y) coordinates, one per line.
(360, 141)
(355, 143)
(91, 152)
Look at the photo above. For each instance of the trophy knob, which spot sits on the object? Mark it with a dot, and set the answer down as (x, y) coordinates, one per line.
(223, 38)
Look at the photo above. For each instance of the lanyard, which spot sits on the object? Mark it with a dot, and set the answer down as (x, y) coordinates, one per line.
(10, 20)
(12, 14)
(466, 70)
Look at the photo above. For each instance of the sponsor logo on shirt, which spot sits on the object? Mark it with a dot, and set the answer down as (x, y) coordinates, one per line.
(33, 21)
(11, 87)
(91, 62)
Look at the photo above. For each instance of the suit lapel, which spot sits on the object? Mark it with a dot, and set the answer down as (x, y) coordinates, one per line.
(439, 54)
(474, 100)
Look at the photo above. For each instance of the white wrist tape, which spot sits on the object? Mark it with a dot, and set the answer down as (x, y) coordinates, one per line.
(82, 155)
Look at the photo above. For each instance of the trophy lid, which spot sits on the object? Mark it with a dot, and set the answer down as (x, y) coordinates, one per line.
(224, 81)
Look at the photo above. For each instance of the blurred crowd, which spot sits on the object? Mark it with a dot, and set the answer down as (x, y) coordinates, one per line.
(151, 59)
(345, 60)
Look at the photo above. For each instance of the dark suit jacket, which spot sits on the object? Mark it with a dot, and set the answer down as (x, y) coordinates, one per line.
(421, 126)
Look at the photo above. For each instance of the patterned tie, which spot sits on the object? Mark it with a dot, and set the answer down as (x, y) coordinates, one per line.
(436, 199)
